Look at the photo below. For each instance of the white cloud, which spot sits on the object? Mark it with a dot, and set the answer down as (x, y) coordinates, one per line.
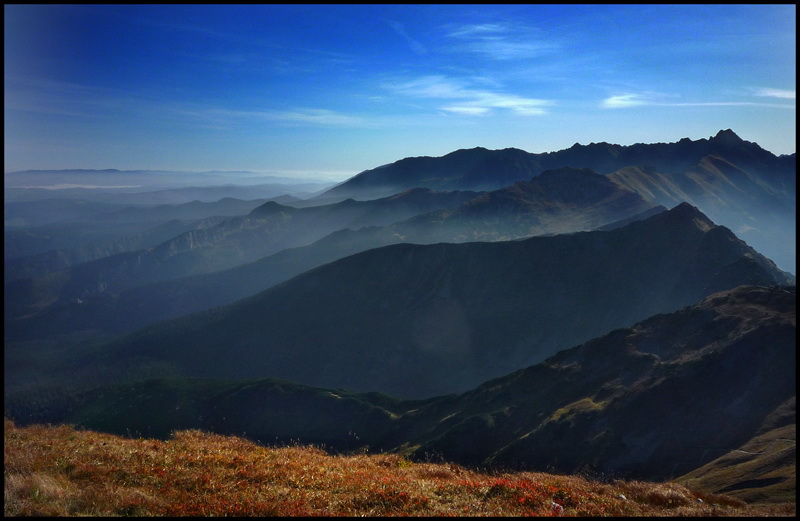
(470, 101)
(501, 40)
(432, 87)
(317, 117)
(775, 93)
(471, 30)
(623, 101)
(655, 99)
(309, 116)
(466, 110)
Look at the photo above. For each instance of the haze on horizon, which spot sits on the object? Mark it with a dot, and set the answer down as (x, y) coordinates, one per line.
(334, 90)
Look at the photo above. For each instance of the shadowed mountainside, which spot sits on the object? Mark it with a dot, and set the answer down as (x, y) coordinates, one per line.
(214, 244)
(418, 321)
(724, 369)
(759, 208)
(566, 200)
(735, 182)
(761, 469)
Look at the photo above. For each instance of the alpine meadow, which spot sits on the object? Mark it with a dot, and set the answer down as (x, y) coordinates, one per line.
(400, 260)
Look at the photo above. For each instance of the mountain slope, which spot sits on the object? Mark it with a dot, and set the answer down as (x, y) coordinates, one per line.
(424, 320)
(759, 209)
(659, 399)
(479, 168)
(565, 200)
(215, 244)
(708, 389)
(733, 181)
(763, 469)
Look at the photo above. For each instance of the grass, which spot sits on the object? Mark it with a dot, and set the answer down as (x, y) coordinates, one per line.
(584, 405)
(60, 471)
(769, 459)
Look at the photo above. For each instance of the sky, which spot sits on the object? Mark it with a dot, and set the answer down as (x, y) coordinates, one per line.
(328, 91)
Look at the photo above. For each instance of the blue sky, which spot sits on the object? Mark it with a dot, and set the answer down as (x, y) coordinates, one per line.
(333, 90)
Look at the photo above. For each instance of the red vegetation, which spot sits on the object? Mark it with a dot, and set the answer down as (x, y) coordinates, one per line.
(60, 471)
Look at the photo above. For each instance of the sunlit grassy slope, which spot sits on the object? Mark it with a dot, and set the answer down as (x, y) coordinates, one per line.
(62, 471)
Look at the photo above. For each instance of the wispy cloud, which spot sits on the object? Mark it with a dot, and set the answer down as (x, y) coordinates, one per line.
(301, 116)
(775, 93)
(629, 100)
(500, 40)
(466, 110)
(89, 103)
(257, 49)
(465, 99)
(624, 101)
(313, 116)
(57, 98)
(417, 47)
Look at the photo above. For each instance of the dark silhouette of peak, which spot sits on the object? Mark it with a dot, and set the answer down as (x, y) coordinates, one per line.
(483, 169)
(686, 210)
(467, 152)
(271, 208)
(727, 137)
(683, 218)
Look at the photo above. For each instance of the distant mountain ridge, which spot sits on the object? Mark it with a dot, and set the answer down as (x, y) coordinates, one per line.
(216, 243)
(735, 182)
(564, 200)
(560, 201)
(417, 321)
(482, 169)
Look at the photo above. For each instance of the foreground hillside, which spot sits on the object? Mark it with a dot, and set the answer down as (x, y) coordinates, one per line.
(61, 471)
(704, 396)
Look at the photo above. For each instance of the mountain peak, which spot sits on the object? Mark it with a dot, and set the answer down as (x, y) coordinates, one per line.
(685, 208)
(686, 211)
(269, 208)
(728, 137)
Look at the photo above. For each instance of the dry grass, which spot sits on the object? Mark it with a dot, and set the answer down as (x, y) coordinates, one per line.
(60, 471)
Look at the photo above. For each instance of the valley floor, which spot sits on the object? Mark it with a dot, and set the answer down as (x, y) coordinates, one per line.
(60, 471)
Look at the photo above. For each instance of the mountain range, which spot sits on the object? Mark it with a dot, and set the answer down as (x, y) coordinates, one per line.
(482, 169)
(420, 320)
(213, 244)
(565, 200)
(735, 182)
(627, 311)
